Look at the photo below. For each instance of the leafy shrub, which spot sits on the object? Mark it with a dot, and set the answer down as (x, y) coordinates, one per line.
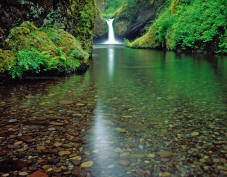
(187, 24)
(33, 61)
(73, 61)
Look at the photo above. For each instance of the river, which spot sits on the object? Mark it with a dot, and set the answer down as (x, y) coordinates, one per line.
(133, 113)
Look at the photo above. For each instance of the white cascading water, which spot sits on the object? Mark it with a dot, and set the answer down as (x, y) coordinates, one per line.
(111, 37)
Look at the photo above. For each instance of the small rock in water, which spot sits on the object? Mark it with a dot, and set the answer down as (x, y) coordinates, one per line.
(194, 133)
(51, 129)
(141, 147)
(41, 148)
(86, 164)
(124, 162)
(151, 155)
(80, 104)
(62, 153)
(23, 174)
(164, 174)
(57, 123)
(110, 166)
(76, 162)
(18, 143)
(76, 158)
(12, 121)
(57, 144)
(165, 154)
(121, 130)
(65, 102)
(38, 174)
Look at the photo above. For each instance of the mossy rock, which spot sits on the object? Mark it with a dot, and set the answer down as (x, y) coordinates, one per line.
(67, 43)
(7, 59)
(63, 40)
(36, 50)
(27, 37)
(101, 28)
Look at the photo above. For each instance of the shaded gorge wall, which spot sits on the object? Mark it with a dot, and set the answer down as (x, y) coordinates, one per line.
(76, 17)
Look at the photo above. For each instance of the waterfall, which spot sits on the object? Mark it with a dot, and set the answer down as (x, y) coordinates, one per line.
(111, 36)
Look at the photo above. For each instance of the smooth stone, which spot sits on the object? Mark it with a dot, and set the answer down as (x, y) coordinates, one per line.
(124, 162)
(76, 162)
(164, 174)
(87, 164)
(57, 170)
(80, 104)
(51, 129)
(121, 130)
(165, 154)
(194, 133)
(57, 144)
(18, 143)
(12, 121)
(41, 148)
(23, 174)
(110, 166)
(76, 158)
(57, 123)
(62, 153)
(151, 155)
(38, 174)
(65, 102)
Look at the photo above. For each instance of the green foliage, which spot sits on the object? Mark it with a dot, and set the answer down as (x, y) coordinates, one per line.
(18, 22)
(35, 62)
(79, 54)
(82, 15)
(112, 6)
(187, 24)
(53, 37)
(73, 61)
(32, 60)
(49, 19)
(127, 42)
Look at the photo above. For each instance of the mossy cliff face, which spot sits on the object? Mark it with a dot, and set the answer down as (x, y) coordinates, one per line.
(35, 50)
(54, 36)
(101, 29)
(81, 18)
(101, 5)
(74, 16)
(132, 19)
(188, 25)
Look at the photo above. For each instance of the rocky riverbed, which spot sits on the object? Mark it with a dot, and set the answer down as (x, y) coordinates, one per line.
(142, 117)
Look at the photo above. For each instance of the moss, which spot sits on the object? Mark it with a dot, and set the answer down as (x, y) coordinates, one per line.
(7, 59)
(101, 27)
(29, 26)
(22, 38)
(82, 14)
(39, 50)
(66, 42)
(188, 25)
(149, 40)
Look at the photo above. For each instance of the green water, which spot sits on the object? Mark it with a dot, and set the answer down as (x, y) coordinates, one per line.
(134, 113)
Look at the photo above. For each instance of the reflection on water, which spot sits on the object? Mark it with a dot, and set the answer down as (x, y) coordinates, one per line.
(157, 114)
(110, 62)
(134, 113)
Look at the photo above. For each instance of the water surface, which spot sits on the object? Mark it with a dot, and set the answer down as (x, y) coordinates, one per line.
(134, 113)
